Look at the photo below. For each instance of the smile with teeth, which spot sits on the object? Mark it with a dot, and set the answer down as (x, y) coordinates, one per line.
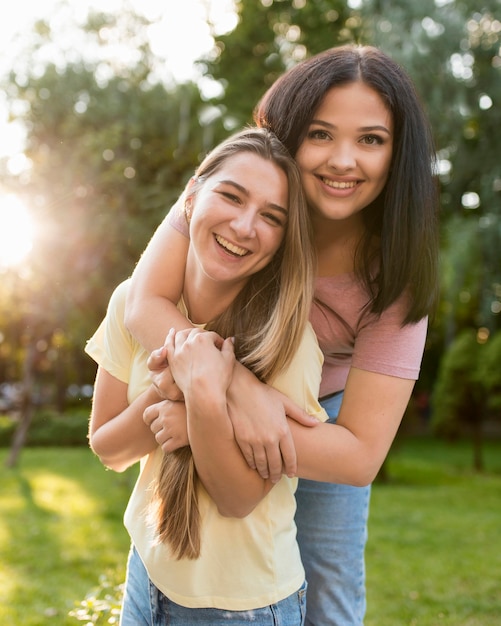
(340, 184)
(230, 247)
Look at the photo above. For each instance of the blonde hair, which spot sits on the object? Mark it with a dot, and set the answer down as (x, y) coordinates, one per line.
(267, 319)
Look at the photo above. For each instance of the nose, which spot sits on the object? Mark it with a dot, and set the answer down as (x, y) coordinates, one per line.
(244, 223)
(342, 156)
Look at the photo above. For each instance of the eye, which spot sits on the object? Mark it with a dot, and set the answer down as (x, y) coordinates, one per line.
(231, 197)
(318, 134)
(372, 140)
(274, 219)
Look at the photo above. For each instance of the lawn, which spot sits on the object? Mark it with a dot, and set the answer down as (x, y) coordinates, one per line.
(433, 558)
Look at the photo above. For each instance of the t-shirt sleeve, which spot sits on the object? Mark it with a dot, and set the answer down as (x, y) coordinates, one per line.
(177, 219)
(110, 346)
(386, 347)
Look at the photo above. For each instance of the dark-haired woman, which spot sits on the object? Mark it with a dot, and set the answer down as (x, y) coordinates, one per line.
(352, 119)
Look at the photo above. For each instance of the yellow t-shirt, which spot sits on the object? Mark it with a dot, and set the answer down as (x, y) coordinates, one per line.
(244, 563)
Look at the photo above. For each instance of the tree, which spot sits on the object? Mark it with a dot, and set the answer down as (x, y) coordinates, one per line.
(111, 148)
(270, 37)
(458, 397)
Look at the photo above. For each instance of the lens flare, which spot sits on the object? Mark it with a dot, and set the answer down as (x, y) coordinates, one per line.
(16, 231)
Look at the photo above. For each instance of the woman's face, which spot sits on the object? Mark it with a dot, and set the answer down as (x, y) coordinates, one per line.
(346, 154)
(238, 219)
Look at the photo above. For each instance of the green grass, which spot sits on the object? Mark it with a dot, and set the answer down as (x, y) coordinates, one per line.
(433, 558)
(60, 528)
(434, 551)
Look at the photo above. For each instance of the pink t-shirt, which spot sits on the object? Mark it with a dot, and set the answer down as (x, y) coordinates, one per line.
(347, 336)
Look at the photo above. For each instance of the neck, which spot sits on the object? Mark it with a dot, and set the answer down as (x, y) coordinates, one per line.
(336, 242)
(205, 298)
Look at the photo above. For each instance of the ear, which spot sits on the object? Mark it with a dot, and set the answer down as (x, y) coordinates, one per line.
(188, 208)
(189, 195)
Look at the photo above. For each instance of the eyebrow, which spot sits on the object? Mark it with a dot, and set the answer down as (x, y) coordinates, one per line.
(362, 129)
(272, 205)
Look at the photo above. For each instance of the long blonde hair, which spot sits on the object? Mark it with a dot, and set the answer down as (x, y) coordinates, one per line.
(267, 319)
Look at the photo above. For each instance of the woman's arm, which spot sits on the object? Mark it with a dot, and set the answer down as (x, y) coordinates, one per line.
(352, 451)
(117, 432)
(203, 366)
(156, 286)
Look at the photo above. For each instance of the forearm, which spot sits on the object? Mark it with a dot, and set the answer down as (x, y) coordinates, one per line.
(156, 286)
(332, 453)
(122, 440)
(235, 488)
(149, 318)
(353, 450)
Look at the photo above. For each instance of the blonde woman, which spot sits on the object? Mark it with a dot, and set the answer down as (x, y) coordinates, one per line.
(247, 222)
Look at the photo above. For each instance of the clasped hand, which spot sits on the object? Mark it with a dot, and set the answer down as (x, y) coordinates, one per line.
(198, 360)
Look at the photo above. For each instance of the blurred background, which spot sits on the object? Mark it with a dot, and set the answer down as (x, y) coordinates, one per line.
(106, 108)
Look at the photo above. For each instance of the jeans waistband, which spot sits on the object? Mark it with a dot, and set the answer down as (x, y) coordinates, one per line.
(331, 395)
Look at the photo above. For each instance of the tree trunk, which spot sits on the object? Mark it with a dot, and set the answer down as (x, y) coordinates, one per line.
(478, 457)
(27, 408)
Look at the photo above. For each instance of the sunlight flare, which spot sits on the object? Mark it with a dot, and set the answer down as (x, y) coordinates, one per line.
(16, 231)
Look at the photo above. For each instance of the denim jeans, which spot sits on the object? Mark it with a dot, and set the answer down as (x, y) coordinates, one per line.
(332, 533)
(145, 605)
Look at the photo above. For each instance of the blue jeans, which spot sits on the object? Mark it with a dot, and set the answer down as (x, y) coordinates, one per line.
(145, 605)
(332, 533)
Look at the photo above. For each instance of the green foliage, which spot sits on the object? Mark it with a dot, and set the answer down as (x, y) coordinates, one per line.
(50, 428)
(269, 38)
(490, 375)
(457, 396)
(111, 148)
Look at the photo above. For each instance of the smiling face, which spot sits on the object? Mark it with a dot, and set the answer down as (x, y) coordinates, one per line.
(238, 222)
(346, 153)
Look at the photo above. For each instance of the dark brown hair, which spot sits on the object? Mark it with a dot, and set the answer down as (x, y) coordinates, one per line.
(404, 216)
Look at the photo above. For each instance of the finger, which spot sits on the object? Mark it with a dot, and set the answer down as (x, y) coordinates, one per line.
(170, 342)
(228, 348)
(248, 455)
(261, 461)
(297, 414)
(275, 465)
(168, 446)
(288, 456)
(160, 437)
(149, 415)
(157, 359)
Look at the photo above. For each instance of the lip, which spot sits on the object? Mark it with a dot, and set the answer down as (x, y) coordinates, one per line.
(231, 248)
(339, 186)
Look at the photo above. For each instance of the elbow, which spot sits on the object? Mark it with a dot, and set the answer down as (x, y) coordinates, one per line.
(364, 474)
(109, 462)
(112, 464)
(235, 511)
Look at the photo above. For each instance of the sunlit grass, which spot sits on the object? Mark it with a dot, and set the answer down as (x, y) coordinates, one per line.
(60, 528)
(433, 558)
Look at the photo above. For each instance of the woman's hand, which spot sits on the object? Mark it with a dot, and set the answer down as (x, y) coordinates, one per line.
(161, 376)
(167, 421)
(259, 417)
(200, 362)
